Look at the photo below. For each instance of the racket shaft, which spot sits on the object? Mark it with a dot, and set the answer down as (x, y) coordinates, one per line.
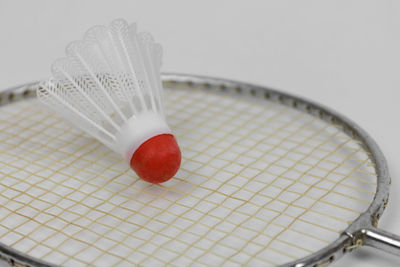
(381, 239)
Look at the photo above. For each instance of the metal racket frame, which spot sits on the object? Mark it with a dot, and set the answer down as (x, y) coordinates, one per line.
(362, 231)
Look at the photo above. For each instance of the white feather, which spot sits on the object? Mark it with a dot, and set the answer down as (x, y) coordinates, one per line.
(109, 85)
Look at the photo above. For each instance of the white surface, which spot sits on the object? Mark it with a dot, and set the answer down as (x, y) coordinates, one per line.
(344, 54)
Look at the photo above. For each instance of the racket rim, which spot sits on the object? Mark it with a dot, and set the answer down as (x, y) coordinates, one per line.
(345, 243)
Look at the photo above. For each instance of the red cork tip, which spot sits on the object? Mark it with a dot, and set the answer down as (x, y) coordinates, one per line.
(158, 159)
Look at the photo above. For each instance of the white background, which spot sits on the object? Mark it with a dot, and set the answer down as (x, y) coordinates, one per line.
(344, 54)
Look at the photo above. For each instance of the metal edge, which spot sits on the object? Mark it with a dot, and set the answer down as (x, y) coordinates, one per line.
(368, 218)
(324, 256)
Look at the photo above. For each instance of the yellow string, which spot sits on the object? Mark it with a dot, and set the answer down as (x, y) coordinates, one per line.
(256, 178)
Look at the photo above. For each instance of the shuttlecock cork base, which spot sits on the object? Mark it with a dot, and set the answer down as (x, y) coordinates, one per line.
(109, 85)
(147, 144)
(158, 159)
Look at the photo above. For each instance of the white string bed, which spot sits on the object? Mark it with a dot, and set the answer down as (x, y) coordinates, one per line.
(260, 184)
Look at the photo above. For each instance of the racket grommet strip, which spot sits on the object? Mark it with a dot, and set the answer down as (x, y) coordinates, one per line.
(222, 87)
(325, 262)
(357, 243)
(207, 85)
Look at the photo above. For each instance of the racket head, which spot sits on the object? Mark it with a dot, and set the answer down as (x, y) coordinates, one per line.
(328, 253)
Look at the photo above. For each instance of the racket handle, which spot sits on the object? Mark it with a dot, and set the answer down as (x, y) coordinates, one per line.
(381, 239)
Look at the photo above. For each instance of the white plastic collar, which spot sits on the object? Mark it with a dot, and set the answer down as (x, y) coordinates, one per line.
(137, 130)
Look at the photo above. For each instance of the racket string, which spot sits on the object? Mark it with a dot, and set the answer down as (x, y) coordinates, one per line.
(233, 201)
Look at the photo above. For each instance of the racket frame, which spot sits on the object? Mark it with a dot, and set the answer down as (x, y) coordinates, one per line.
(362, 231)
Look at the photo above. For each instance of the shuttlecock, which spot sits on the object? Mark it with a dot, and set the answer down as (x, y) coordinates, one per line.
(109, 85)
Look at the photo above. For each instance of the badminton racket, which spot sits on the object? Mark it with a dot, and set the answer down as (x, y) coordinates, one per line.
(266, 179)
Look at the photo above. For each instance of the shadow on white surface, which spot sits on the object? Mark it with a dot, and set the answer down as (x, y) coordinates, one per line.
(368, 256)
